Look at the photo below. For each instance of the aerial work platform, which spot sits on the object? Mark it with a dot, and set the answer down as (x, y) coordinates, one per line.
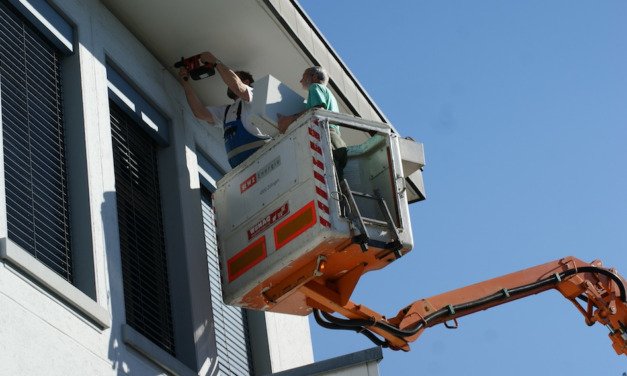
(294, 239)
(285, 220)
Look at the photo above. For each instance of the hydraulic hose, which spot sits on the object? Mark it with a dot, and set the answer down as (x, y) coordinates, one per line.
(348, 323)
(360, 326)
(511, 293)
(605, 272)
(349, 326)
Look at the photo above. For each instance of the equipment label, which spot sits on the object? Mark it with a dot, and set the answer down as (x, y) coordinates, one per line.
(268, 221)
(252, 180)
(260, 174)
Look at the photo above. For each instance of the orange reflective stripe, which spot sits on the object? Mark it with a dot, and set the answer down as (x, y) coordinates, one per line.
(294, 225)
(245, 259)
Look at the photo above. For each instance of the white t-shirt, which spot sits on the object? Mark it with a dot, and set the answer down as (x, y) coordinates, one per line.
(218, 115)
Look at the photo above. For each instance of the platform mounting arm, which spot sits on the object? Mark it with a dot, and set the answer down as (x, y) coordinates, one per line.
(597, 292)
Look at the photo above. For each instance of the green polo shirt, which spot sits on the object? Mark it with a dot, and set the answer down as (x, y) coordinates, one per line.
(320, 95)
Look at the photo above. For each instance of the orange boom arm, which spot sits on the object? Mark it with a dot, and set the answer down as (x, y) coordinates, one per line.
(597, 292)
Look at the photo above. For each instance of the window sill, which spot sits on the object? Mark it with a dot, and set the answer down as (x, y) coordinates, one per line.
(154, 353)
(25, 262)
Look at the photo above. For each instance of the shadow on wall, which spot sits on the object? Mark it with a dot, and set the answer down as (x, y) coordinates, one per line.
(112, 251)
(191, 340)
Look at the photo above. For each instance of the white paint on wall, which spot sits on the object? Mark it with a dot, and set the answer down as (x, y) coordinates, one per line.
(42, 335)
(288, 332)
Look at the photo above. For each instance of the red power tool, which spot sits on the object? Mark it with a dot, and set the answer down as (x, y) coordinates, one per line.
(196, 68)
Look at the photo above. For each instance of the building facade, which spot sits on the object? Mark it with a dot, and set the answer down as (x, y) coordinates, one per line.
(107, 236)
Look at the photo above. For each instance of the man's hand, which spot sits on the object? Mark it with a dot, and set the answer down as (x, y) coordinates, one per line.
(183, 75)
(198, 109)
(230, 78)
(284, 121)
(207, 57)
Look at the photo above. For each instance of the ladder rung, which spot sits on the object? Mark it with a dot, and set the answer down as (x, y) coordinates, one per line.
(365, 195)
(375, 222)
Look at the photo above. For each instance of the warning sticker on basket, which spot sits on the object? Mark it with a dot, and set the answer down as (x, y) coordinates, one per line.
(260, 174)
(268, 221)
(252, 180)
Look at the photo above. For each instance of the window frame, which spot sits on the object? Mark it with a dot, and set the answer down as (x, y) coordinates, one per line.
(209, 174)
(80, 296)
(130, 97)
(162, 290)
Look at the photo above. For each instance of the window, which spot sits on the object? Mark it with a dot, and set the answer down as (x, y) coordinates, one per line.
(230, 323)
(38, 214)
(144, 267)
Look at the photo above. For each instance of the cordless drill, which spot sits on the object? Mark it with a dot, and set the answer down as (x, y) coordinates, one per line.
(196, 68)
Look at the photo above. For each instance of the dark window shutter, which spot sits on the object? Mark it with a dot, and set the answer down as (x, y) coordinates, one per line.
(144, 268)
(34, 145)
(230, 322)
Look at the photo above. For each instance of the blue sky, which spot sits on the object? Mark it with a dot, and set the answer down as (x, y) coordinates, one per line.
(522, 108)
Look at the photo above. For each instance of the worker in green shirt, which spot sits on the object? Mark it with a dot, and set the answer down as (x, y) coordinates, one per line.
(314, 80)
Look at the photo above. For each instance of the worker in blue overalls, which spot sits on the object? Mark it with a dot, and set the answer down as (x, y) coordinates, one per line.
(241, 138)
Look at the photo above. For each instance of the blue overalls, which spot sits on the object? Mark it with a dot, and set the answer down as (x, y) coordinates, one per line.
(240, 144)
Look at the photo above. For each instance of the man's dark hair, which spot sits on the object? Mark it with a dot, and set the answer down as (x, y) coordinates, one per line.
(243, 75)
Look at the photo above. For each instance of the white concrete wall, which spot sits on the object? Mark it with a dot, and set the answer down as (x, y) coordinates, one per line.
(42, 334)
(288, 332)
(356, 96)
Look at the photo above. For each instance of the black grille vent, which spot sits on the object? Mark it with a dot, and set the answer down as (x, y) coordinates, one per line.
(34, 145)
(144, 268)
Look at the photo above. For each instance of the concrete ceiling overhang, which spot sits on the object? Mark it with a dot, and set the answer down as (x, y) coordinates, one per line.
(261, 36)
